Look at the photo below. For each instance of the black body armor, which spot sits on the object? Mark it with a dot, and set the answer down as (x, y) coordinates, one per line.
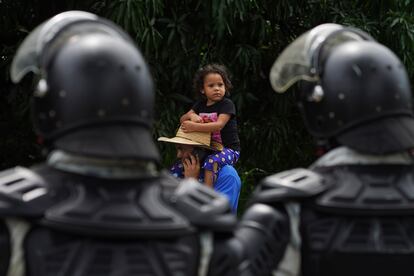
(354, 220)
(89, 226)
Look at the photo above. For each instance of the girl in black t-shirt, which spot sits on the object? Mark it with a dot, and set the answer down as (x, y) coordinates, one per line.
(214, 113)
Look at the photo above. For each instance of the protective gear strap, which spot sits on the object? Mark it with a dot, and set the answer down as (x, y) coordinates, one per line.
(206, 250)
(18, 230)
(291, 261)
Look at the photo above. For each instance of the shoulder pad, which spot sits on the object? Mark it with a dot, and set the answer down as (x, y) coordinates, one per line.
(369, 190)
(287, 185)
(136, 208)
(203, 206)
(22, 193)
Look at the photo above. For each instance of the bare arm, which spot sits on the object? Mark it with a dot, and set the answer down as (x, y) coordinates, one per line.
(191, 116)
(189, 126)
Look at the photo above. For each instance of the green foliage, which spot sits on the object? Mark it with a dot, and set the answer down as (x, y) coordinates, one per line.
(177, 37)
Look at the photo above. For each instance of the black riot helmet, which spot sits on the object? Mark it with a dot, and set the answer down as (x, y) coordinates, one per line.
(95, 95)
(353, 90)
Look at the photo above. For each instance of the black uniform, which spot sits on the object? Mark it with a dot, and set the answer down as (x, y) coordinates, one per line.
(100, 205)
(353, 218)
(351, 213)
(80, 225)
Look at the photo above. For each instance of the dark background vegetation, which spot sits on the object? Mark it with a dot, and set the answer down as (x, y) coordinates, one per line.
(177, 36)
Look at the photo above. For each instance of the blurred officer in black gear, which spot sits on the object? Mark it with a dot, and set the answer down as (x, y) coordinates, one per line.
(99, 205)
(352, 211)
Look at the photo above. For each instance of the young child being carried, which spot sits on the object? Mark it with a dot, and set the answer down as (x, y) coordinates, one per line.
(214, 113)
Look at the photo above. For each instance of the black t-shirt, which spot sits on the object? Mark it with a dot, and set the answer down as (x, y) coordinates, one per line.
(229, 134)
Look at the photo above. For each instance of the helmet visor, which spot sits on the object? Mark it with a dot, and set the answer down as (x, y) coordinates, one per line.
(28, 57)
(300, 59)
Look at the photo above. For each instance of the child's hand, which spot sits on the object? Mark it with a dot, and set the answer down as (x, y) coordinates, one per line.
(195, 118)
(188, 126)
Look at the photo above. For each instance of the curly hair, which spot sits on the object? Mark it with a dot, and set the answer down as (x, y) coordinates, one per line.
(198, 81)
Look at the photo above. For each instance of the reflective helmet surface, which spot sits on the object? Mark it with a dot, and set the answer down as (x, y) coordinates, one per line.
(368, 102)
(95, 96)
(352, 89)
(361, 81)
(301, 59)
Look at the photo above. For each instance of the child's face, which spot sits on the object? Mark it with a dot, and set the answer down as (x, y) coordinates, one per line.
(214, 87)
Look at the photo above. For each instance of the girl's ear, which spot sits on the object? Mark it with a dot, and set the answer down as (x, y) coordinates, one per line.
(202, 91)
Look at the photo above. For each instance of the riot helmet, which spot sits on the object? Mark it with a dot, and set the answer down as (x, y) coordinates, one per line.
(353, 89)
(95, 93)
